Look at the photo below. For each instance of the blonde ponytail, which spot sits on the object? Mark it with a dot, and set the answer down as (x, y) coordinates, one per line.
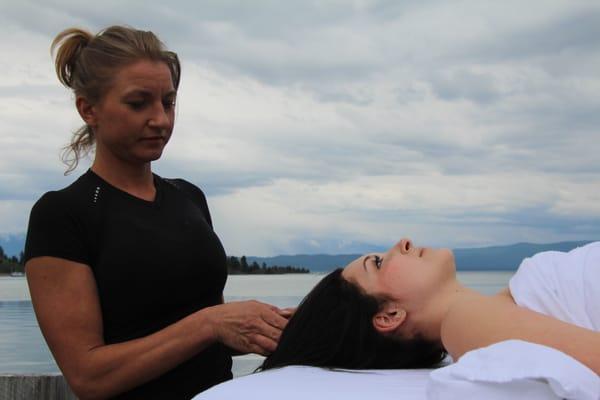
(69, 44)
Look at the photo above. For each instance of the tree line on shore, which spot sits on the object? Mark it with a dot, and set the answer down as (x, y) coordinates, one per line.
(239, 266)
(235, 266)
(13, 264)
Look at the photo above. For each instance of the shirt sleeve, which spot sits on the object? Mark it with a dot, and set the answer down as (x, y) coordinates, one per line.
(56, 230)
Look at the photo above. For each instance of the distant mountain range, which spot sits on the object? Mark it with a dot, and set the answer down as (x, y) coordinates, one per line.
(495, 258)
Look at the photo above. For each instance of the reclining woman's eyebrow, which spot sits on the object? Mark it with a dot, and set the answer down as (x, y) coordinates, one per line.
(365, 261)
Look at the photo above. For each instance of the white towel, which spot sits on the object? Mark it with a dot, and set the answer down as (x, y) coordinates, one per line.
(562, 285)
(514, 369)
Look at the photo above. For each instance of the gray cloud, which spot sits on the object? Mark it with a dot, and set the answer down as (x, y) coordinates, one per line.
(426, 103)
(575, 32)
(28, 91)
(479, 88)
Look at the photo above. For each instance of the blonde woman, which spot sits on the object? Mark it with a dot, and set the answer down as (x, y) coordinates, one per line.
(125, 270)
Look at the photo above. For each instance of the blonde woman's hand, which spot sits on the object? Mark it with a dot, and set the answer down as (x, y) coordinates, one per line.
(248, 326)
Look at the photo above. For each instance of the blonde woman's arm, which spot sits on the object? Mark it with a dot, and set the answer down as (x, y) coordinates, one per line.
(67, 307)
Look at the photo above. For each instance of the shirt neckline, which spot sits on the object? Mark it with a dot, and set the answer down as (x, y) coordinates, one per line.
(153, 203)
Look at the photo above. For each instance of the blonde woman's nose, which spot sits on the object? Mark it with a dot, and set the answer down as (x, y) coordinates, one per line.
(159, 118)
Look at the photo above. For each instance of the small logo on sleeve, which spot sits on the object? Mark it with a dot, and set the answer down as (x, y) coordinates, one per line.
(96, 193)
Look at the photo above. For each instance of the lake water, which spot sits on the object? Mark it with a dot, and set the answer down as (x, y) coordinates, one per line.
(23, 350)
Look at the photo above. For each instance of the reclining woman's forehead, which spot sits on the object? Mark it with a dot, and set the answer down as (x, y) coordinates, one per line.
(358, 271)
(349, 268)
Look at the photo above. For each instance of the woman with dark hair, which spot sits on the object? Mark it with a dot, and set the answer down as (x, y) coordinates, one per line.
(405, 309)
(125, 271)
(333, 328)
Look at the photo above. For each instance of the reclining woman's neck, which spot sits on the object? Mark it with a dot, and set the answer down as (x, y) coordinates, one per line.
(427, 320)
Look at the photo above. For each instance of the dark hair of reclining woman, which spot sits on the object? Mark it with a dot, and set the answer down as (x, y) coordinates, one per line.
(333, 328)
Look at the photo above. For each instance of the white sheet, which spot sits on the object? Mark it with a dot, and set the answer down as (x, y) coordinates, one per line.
(514, 369)
(558, 284)
(562, 285)
(507, 370)
(309, 383)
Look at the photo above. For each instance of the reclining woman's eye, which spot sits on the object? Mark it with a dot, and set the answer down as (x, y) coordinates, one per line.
(378, 261)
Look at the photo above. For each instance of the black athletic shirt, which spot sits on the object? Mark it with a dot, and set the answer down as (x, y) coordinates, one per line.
(154, 262)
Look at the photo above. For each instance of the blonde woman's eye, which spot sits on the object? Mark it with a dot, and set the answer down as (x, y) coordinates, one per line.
(136, 105)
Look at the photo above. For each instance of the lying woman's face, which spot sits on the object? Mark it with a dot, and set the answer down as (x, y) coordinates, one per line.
(405, 273)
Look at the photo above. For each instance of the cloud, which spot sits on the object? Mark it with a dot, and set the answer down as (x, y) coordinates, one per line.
(466, 85)
(435, 210)
(553, 38)
(14, 215)
(327, 126)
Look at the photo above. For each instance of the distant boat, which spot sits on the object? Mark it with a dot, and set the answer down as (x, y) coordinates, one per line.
(17, 273)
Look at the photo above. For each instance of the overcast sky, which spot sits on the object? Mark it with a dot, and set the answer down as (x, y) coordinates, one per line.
(341, 126)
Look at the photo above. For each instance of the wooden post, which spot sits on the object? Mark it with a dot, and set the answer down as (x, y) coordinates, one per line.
(38, 387)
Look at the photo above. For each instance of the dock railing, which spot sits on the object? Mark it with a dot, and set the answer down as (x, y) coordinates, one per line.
(34, 387)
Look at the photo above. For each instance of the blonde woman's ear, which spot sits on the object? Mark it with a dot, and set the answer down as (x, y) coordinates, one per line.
(389, 318)
(86, 110)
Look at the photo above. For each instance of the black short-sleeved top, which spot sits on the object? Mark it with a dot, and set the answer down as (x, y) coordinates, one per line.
(154, 262)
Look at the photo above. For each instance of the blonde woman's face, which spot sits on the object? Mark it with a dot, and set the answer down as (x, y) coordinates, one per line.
(134, 119)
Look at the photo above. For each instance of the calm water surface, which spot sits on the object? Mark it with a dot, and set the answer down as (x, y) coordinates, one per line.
(23, 350)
